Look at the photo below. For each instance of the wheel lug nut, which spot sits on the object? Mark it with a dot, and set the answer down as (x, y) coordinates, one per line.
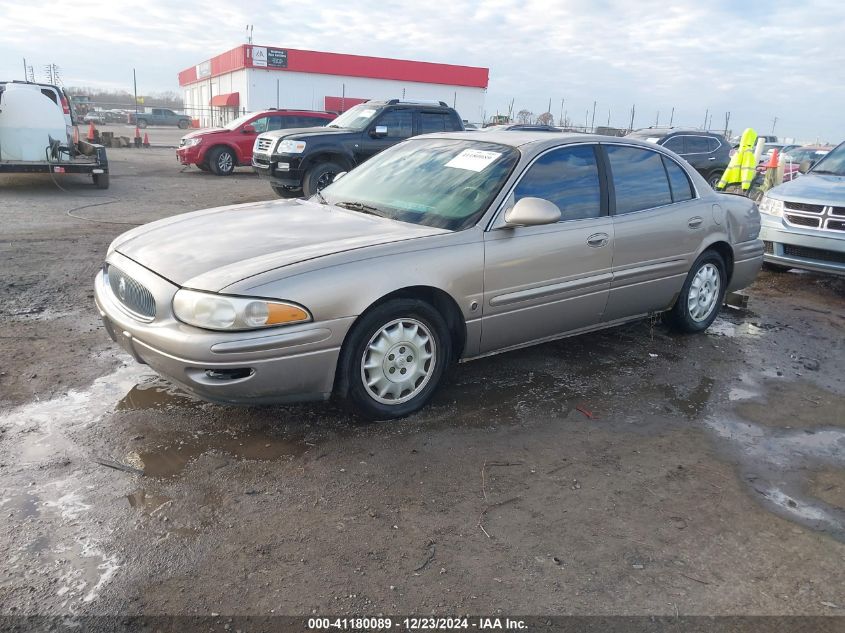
(401, 350)
(402, 371)
(391, 357)
(392, 370)
(410, 358)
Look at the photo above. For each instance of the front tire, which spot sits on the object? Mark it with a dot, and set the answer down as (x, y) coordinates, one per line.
(319, 177)
(142, 123)
(222, 161)
(286, 192)
(701, 296)
(713, 178)
(394, 359)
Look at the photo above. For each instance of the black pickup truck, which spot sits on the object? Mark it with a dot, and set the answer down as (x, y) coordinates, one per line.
(300, 162)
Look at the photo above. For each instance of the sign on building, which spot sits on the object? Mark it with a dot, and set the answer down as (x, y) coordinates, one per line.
(277, 58)
(259, 56)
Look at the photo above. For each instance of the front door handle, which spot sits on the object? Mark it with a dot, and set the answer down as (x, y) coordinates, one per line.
(695, 222)
(597, 240)
(712, 158)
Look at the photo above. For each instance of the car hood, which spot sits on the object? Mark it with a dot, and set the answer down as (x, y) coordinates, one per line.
(212, 249)
(207, 131)
(305, 132)
(813, 189)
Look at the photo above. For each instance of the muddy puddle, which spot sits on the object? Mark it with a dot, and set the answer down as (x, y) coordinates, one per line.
(789, 444)
(170, 460)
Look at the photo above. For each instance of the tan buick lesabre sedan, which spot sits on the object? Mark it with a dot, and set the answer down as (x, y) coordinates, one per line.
(445, 247)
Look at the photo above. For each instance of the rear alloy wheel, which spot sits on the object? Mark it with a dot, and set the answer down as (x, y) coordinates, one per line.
(394, 359)
(702, 294)
(222, 161)
(183, 125)
(319, 177)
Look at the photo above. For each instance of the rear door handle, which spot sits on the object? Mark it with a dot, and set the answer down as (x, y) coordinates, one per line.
(695, 222)
(597, 240)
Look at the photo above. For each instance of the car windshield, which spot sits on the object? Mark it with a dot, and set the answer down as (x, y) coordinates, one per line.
(443, 183)
(356, 118)
(832, 163)
(234, 124)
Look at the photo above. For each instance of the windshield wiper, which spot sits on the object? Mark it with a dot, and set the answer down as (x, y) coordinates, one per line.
(825, 171)
(360, 207)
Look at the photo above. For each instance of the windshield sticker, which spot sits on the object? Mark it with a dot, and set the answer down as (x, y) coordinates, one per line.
(473, 159)
(367, 113)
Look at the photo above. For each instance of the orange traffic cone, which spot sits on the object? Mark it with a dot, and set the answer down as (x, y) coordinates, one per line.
(773, 160)
(146, 140)
(137, 136)
(92, 132)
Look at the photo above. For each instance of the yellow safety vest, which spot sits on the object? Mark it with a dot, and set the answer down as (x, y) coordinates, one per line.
(743, 166)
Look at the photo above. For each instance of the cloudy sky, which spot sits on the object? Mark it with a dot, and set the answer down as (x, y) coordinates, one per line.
(758, 60)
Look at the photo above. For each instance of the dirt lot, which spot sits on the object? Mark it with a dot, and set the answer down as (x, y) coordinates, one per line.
(627, 472)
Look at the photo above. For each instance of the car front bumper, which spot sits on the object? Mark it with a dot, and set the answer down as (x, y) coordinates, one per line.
(270, 168)
(277, 365)
(811, 249)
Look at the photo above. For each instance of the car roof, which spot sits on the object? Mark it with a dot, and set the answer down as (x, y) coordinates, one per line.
(536, 140)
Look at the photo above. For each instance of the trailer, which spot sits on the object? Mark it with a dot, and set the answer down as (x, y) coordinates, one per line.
(87, 158)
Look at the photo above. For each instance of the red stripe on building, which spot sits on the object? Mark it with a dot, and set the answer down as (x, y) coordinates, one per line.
(347, 66)
(340, 104)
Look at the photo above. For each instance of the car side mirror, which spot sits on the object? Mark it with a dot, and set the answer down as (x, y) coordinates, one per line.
(806, 165)
(532, 212)
(248, 129)
(338, 176)
(379, 131)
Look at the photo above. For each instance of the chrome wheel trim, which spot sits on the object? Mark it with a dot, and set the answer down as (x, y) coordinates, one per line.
(398, 361)
(224, 161)
(703, 293)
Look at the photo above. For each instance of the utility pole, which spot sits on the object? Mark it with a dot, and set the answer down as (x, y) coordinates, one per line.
(672, 117)
(24, 69)
(560, 120)
(608, 117)
(727, 121)
(774, 123)
(135, 86)
(593, 121)
(657, 119)
(706, 114)
(633, 110)
(586, 119)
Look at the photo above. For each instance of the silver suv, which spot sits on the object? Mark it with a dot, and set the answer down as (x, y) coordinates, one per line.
(803, 221)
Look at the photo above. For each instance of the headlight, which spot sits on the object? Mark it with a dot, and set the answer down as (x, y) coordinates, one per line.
(221, 312)
(771, 206)
(291, 147)
(190, 142)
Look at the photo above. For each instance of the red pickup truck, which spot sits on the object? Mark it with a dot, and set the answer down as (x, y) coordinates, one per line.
(220, 150)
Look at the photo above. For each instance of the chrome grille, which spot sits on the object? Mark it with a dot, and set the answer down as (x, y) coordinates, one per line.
(803, 220)
(806, 208)
(132, 295)
(263, 144)
(814, 216)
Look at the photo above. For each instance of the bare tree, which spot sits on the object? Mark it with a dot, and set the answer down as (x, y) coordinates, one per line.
(547, 118)
(525, 116)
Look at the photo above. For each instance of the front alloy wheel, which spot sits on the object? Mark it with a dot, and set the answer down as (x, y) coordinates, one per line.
(398, 361)
(394, 358)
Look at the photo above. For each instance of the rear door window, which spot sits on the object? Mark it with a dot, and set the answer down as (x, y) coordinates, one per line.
(569, 177)
(698, 145)
(433, 122)
(639, 179)
(678, 181)
(713, 144)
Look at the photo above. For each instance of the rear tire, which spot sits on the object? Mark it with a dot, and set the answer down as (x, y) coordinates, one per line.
(394, 358)
(101, 181)
(713, 178)
(183, 125)
(222, 161)
(319, 177)
(286, 192)
(701, 296)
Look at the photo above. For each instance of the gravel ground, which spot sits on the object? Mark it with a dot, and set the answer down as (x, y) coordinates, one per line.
(631, 471)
